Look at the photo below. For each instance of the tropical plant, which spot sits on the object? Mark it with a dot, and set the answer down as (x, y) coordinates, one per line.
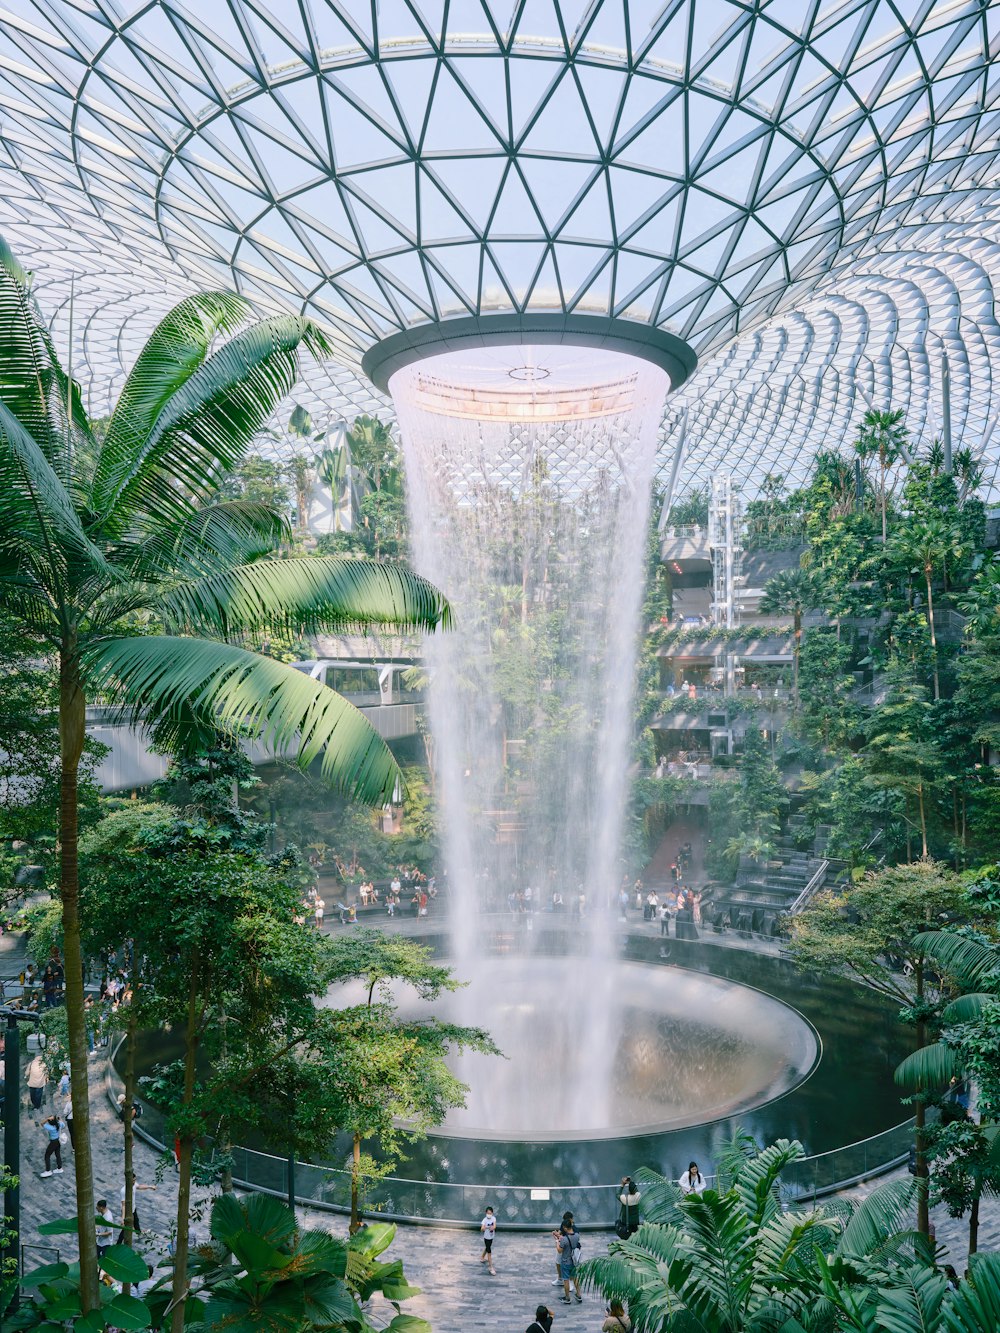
(793, 592)
(732, 1260)
(882, 436)
(106, 534)
(923, 546)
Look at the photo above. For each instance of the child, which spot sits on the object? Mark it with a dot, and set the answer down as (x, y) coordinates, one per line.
(488, 1226)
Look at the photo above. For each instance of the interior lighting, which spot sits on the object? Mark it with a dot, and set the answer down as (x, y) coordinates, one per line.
(531, 403)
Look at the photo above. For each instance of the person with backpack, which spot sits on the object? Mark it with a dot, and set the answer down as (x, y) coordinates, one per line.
(569, 1258)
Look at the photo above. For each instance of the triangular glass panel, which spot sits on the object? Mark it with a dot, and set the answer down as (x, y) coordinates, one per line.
(366, 85)
(602, 95)
(562, 124)
(595, 298)
(545, 294)
(406, 272)
(455, 124)
(576, 264)
(325, 211)
(635, 273)
(397, 20)
(642, 96)
(356, 140)
(608, 28)
(461, 263)
(376, 233)
(393, 189)
(411, 81)
(474, 182)
(515, 214)
(286, 172)
(493, 292)
(485, 82)
(591, 219)
(537, 19)
(635, 193)
(659, 233)
(667, 41)
(660, 144)
(555, 184)
(439, 221)
(518, 263)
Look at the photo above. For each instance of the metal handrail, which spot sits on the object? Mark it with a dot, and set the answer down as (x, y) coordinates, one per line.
(814, 885)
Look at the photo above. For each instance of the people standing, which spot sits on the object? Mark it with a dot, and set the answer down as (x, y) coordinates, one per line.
(136, 1228)
(663, 912)
(37, 1077)
(105, 1228)
(53, 1148)
(488, 1226)
(628, 1199)
(569, 1257)
(567, 1220)
(692, 1181)
(319, 907)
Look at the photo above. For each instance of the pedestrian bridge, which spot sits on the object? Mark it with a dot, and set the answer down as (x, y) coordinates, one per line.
(376, 689)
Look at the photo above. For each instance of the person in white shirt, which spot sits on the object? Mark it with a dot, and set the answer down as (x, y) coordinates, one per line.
(488, 1226)
(692, 1181)
(105, 1229)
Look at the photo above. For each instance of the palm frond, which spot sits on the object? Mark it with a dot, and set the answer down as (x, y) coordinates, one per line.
(914, 1305)
(38, 521)
(722, 1277)
(967, 1008)
(967, 960)
(757, 1179)
(165, 680)
(791, 1236)
(877, 1217)
(175, 349)
(206, 425)
(975, 1307)
(930, 1068)
(307, 594)
(216, 537)
(660, 1197)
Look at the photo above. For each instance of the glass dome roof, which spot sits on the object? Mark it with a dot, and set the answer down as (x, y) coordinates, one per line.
(804, 192)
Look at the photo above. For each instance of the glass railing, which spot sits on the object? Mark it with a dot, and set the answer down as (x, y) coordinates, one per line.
(521, 1207)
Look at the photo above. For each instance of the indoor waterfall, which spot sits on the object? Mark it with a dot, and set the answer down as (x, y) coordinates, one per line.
(529, 473)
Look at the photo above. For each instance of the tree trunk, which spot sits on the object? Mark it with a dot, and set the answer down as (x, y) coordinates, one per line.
(923, 820)
(795, 661)
(974, 1222)
(128, 1135)
(921, 1172)
(881, 459)
(355, 1176)
(930, 622)
(72, 733)
(180, 1282)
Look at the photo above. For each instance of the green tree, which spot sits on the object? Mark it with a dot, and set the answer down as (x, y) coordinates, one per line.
(882, 437)
(901, 751)
(388, 1073)
(793, 592)
(873, 932)
(924, 547)
(104, 536)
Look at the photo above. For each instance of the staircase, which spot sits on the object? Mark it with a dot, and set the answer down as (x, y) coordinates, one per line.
(762, 895)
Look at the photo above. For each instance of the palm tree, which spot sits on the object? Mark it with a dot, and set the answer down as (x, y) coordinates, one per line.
(793, 592)
(102, 538)
(882, 436)
(922, 546)
(982, 601)
(732, 1260)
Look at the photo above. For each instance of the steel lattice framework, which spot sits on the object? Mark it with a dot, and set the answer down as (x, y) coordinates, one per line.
(806, 192)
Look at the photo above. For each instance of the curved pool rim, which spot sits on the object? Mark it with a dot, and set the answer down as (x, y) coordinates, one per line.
(442, 1191)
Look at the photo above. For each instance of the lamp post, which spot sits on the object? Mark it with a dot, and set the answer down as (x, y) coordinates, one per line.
(12, 1138)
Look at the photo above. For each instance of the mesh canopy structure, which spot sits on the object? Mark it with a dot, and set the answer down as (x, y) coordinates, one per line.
(805, 192)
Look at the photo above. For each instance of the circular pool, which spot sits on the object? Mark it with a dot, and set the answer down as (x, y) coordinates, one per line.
(678, 1048)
